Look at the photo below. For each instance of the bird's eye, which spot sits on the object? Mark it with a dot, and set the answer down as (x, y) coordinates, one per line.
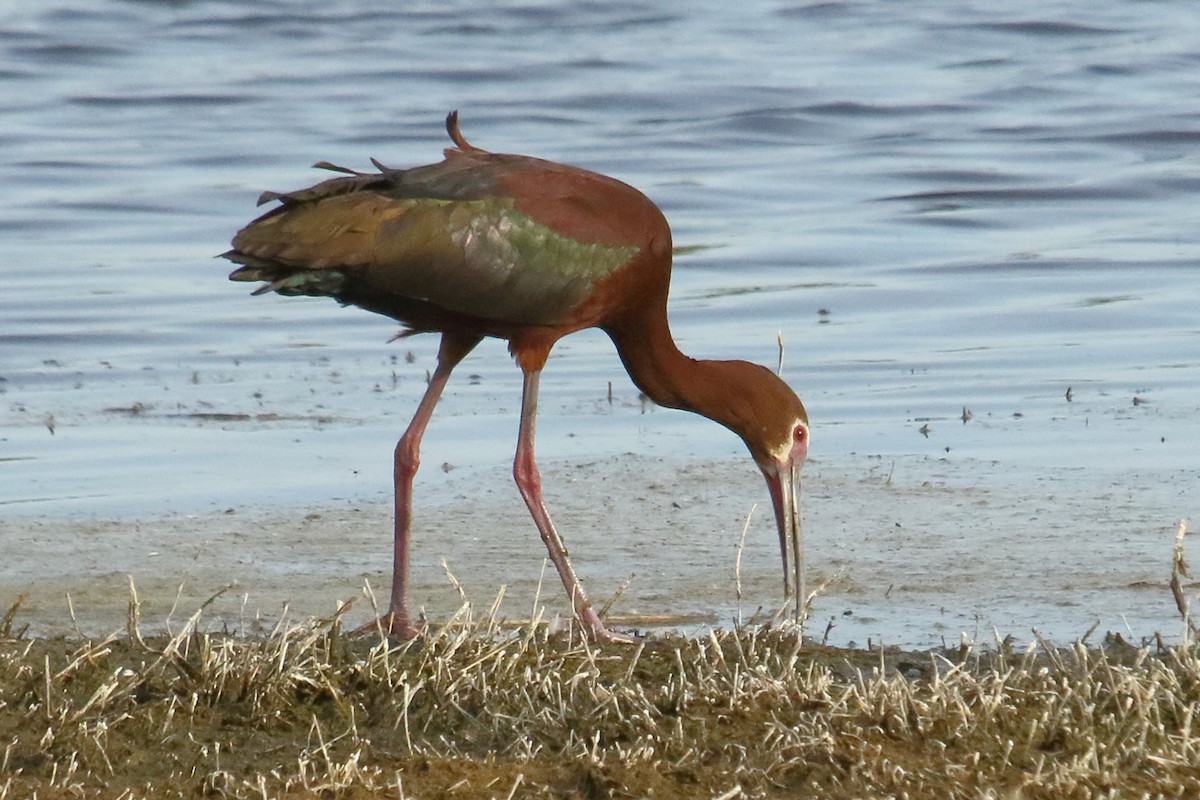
(800, 434)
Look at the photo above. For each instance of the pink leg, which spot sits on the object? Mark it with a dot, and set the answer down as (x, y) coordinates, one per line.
(529, 482)
(454, 349)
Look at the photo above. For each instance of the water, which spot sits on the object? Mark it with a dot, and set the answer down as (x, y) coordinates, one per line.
(940, 206)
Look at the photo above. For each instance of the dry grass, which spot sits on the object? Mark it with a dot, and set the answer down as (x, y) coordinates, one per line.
(477, 710)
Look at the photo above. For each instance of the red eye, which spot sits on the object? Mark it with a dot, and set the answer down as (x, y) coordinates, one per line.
(799, 444)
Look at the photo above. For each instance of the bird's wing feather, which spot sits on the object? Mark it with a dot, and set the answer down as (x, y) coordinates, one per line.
(437, 234)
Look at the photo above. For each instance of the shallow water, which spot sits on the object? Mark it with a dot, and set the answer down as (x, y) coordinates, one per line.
(939, 206)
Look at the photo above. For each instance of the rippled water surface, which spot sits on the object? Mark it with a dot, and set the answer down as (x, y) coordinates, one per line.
(973, 224)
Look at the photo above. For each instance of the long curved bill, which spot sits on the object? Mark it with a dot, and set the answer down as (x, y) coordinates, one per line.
(783, 481)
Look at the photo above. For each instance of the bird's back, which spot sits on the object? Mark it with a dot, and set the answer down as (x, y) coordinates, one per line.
(490, 239)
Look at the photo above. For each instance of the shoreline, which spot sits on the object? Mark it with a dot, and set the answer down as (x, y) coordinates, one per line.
(905, 553)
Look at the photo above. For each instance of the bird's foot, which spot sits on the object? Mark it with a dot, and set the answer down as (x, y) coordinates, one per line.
(392, 625)
(597, 631)
(605, 634)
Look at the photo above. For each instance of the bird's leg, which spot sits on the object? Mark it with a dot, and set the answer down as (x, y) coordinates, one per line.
(529, 482)
(453, 349)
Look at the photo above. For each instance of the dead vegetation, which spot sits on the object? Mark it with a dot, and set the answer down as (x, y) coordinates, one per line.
(476, 710)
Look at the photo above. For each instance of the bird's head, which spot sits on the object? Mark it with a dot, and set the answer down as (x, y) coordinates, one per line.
(773, 423)
(781, 467)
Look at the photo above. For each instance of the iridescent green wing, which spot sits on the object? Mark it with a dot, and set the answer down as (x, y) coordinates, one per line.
(435, 234)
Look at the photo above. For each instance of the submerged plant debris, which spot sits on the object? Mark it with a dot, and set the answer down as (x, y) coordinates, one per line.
(477, 710)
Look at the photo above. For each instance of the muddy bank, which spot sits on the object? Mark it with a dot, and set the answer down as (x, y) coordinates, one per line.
(477, 711)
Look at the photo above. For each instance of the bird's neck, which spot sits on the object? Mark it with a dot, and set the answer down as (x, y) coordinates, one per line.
(666, 375)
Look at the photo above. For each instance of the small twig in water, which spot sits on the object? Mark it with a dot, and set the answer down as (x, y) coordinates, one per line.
(71, 612)
(7, 621)
(603, 612)
(1179, 568)
(828, 629)
(132, 619)
(737, 563)
(458, 587)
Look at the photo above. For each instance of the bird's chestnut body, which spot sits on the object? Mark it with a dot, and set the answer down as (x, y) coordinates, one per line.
(510, 246)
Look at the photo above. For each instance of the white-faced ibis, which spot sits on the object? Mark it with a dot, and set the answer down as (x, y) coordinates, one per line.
(487, 244)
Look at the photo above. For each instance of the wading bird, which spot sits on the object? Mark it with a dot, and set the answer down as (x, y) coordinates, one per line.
(488, 244)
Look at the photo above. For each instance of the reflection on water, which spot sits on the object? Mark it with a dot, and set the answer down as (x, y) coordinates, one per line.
(937, 206)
